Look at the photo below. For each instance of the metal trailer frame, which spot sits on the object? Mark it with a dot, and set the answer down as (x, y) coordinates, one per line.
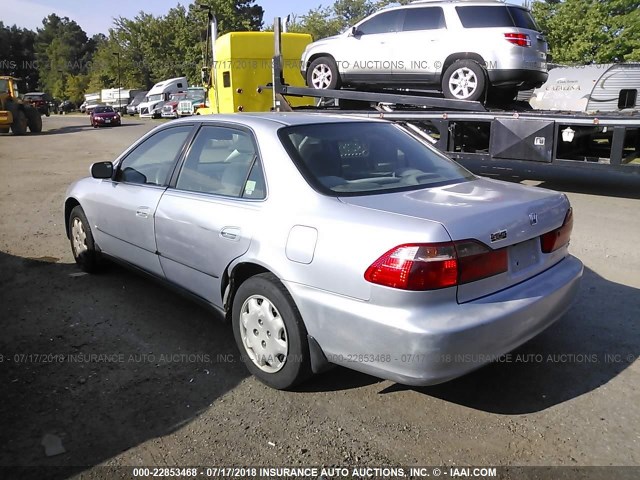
(532, 142)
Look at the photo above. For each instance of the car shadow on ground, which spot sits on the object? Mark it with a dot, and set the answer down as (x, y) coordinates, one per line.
(593, 343)
(98, 364)
(80, 128)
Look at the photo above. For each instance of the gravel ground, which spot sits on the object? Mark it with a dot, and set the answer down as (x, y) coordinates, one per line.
(143, 376)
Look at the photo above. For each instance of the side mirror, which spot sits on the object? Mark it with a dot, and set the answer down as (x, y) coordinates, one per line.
(354, 32)
(102, 170)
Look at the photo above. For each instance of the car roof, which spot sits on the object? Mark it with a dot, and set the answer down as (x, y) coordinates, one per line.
(275, 119)
(477, 3)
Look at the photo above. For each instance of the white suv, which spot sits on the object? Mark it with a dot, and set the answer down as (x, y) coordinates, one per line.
(464, 48)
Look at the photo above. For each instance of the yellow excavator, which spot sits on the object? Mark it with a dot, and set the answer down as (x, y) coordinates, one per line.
(15, 115)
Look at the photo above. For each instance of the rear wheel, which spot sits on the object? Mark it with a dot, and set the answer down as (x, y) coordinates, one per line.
(34, 120)
(19, 126)
(82, 244)
(464, 80)
(323, 74)
(270, 333)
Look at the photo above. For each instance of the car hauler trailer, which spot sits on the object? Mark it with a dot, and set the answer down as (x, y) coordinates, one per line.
(537, 144)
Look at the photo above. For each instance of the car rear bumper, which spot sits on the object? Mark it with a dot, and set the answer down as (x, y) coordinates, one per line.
(433, 344)
(517, 77)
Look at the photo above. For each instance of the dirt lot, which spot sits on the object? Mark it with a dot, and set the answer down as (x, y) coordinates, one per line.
(148, 378)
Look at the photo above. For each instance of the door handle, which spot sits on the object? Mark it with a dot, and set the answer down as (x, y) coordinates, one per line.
(230, 233)
(143, 212)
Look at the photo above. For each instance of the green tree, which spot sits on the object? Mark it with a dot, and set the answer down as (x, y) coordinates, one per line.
(590, 31)
(62, 49)
(17, 56)
(153, 48)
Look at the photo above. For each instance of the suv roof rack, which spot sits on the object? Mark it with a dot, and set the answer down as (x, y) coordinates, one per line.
(457, 1)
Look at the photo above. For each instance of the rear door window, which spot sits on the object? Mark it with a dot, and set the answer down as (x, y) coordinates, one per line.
(430, 18)
(382, 23)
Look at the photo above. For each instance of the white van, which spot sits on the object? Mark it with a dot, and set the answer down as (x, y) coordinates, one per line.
(152, 106)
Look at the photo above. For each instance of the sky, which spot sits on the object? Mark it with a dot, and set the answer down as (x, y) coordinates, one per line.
(96, 16)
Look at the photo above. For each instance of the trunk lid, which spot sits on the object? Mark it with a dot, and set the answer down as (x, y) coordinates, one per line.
(498, 214)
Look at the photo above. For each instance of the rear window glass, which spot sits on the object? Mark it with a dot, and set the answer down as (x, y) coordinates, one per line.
(522, 18)
(356, 158)
(495, 16)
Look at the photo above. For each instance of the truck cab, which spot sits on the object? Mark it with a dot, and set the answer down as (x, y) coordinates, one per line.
(159, 94)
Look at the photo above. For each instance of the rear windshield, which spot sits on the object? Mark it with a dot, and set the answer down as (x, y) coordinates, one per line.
(495, 16)
(31, 96)
(356, 158)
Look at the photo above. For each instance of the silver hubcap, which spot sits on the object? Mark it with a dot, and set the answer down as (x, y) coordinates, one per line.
(463, 83)
(321, 76)
(78, 237)
(263, 334)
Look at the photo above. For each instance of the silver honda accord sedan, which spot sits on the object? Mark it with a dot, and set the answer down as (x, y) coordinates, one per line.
(332, 240)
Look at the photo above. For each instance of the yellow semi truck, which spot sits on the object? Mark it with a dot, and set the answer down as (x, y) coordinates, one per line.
(242, 64)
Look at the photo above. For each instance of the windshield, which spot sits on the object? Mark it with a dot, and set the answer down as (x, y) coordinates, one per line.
(196, 95)
(177, 97)
(103, 110)
(355, 158)
(154, 98)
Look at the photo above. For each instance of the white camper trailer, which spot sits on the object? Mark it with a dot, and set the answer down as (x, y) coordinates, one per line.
(152, 106)
(590, 88)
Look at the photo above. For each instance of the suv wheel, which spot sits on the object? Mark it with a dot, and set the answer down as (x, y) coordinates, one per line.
(464, 80)
(323, 74)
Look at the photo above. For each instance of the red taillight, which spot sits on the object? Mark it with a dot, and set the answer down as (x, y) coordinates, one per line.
(436, 265)
(520, 39)
(477, 261)
(553, 240)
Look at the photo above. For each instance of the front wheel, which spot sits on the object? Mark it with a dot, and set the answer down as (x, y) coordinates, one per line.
(82, 244)
(270, 333)
(34, 120)
(323, 74)
(464, 80)
(19, 125)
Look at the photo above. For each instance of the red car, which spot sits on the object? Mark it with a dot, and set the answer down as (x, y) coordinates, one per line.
(39, 100)
(102, 116)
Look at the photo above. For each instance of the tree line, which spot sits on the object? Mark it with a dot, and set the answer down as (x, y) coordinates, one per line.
(61, 59)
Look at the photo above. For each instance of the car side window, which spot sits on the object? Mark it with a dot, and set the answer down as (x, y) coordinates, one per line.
(385, 22)
(151, 162)
(430, 18)
(223, 161)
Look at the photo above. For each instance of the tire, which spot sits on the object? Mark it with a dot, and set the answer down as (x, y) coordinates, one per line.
(279, 344)
(34, 120)
(19, 125)
(464, 80)
(47, 113)
(323, 74)
(82, 244)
